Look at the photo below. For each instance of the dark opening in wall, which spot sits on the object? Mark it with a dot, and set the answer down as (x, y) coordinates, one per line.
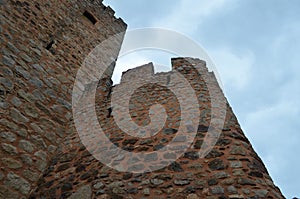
(109, 112)
(50, 45)
(90, 17)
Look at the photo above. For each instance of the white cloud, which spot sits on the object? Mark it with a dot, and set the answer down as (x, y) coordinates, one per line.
(188, 14)
(234, 70)
(273, 132)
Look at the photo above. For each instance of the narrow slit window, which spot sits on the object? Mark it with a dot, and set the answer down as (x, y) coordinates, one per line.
(109, 112)
(49, 46)
(90, 17)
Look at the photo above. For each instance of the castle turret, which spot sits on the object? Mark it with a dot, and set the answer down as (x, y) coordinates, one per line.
(43, 44)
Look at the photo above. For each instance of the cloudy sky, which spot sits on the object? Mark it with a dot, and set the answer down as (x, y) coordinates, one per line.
(255, 45)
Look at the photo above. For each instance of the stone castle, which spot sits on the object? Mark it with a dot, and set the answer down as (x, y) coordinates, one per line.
(43, 44)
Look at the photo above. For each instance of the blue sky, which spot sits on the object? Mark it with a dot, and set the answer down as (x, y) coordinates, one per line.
(255, 45)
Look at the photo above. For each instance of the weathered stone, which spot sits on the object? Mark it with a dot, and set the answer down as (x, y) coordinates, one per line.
(151, 157)
(26, 146)
(9, 124)
(236, 196)
(202, 128)
(41, 154)
(84, 192)
(22, 132)
(237, 150)
(31, 111)
(200, 183)
(246, 191)
(118, 190)
(66, 187)
(223, 142)
(7, 83)
(156, 181)
(8, 61)
(228, 181)
(168, 190)
(193, 155)
(216, 164)
(232, 190)
(41, 165)
(38, 95)
(147, 141)
(3, 105)
(198, 144)
(180, 138)
(98, 185)
(171, 156)
(63, 167)
(256, 174)
(6, 71)
(236, 164)
(221, 175)
(11, 163)
(214, 153)
(246, 181)
(136, 167)
(115, 184)
(146, 191)
(192, 196)
(10, 149)
(196, 166)
(8, 193)
(211, 182)
(17, 116)
(175, 167)
(22, 72)
(26, 159)
(238, 172)
(52, 149)
(169, 131)
(261, 193)
(38, 142)
(164, 176)
(16, 101)
(217, 190)
(31, 175)
(16, 182)
(132, 190)
(25, 57)
(181, 182)
(158, 147)
(36, 82)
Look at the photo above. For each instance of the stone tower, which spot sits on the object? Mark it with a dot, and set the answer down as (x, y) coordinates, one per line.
(43, 45)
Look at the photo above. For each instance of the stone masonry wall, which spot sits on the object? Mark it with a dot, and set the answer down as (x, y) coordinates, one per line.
(43, 43)
(231, 170)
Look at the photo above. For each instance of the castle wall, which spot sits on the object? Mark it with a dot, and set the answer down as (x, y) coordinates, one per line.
(231, 169)
(43, 43)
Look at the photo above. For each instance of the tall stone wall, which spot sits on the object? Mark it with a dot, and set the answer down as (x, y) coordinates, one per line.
(43, 43)
(231, 169)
